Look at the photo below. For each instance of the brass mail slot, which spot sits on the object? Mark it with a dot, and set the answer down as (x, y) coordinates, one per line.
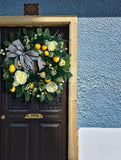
(33, 116)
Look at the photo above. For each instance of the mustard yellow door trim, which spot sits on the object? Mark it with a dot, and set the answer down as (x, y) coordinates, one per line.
(72, 101)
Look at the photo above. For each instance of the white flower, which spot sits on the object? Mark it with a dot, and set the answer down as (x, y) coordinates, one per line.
(38, 96)
(60, 79)
(40, 51)
(51, 54)
(61, 44)
(15, 84)
(52, 45)
(46, 42)
(27, 46)
(53, 72)
(20, 77)
(51, 87)
(35, 90)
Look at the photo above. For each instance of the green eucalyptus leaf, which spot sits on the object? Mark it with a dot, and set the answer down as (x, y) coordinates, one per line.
(60, 87)
(8, 86)
(6, 43)
(66, 66)
(27, 96)
(39, 31)
(19, 94)
(68, 74)
(20, 37)
(42, 97)
(49, 97)
(47, 31)
(25, 31)
(10, 62)
(12, 37)
(48, 76)
(31, 34)
(23, 88)
(59, 92)
(19, 91)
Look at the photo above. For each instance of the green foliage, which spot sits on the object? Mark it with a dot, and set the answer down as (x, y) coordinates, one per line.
(46, 34)
(60, 87)
(12, 37)
(27, 96)
(8, 86)
(25, 31)
(48, 76)
(47, 31)
(49, 97)
(6, 43)
(10, 62)
(68, 74)
(31, 34)
(19, 92)
(42, 97)
(39, 31)
(66, 66)
(20, 37)
(23, 88)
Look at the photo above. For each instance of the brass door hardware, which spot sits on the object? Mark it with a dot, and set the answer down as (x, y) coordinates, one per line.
(3, 117)
(33, 116)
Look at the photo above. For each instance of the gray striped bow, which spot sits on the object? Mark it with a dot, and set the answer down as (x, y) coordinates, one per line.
(27, 58)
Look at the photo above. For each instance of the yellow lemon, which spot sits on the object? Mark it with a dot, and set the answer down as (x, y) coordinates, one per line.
(13, 89)
(46, 53)
(37, 46)
(56, 59)
(12, 68)
(44, 47)
(47, 80)
(31, 85)
(42, 74)
(18, 63)
(62, 62)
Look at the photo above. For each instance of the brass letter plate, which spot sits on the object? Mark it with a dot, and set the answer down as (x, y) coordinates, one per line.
(33, 116)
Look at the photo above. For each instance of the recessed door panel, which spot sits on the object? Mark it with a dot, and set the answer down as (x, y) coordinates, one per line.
(50, 141)
(19, 141)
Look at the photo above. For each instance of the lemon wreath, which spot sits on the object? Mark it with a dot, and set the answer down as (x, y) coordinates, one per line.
(35, 65)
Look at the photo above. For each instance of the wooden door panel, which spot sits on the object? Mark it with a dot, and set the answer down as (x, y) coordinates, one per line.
(50, 141)
(19, 148)
(16, 141)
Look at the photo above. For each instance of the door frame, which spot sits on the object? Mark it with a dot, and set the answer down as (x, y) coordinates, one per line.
(72, 99)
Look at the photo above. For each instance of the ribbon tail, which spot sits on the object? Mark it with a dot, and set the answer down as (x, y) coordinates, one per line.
(29, 62)
(22, 63)
(40, 62)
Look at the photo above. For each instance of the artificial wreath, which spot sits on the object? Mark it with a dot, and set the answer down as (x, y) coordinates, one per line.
(35, 65)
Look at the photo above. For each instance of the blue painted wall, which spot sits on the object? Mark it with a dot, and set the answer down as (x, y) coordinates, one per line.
(99, 55)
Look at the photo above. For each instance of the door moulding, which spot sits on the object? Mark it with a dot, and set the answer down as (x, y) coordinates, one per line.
(72, 100)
